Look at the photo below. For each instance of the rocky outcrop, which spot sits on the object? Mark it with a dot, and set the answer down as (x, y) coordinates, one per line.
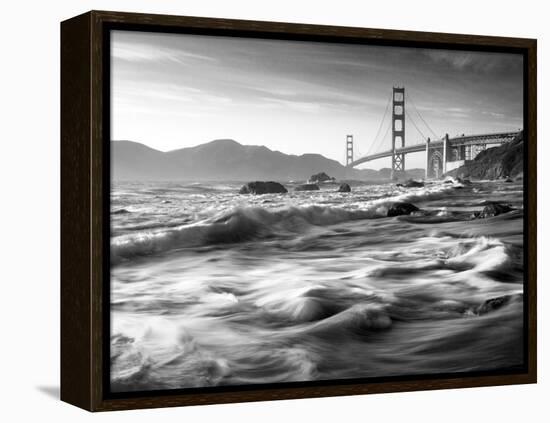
(307, 187)
(411, 183)
(320, 177)
(261, 187)
(505, 161)
(344, 188)
(493, 209)
(401, 208)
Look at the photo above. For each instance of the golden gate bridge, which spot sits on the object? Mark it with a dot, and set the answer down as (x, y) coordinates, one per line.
(442, 153)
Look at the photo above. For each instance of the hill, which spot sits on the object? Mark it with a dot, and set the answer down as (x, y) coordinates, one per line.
(498, 162)
(224, 159)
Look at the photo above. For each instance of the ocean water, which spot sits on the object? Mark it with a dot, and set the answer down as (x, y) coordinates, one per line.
(213, 288)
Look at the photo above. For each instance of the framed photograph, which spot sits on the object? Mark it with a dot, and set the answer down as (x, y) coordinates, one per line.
(258, 211)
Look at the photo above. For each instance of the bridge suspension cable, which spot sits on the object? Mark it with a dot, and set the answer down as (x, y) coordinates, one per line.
(381, 141)
(420, 116)
(374, 142)
(414, 124)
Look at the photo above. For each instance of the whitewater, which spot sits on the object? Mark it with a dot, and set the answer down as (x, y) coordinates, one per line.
(213, 288)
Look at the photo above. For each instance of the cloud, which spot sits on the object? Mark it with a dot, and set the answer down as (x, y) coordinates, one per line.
(142, 52)
(479, 62)
(458, 60)
(494, 114)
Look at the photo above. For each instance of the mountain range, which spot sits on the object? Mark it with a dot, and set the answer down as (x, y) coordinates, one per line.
(227, 160)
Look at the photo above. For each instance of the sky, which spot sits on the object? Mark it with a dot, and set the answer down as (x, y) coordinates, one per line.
(171, 91)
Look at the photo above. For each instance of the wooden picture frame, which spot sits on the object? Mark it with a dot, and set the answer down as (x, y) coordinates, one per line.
(85, 169)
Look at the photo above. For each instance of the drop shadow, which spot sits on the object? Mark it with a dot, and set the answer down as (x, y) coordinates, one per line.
(50, 391)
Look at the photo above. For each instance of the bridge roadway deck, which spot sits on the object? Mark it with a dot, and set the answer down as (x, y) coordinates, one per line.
(483, 139)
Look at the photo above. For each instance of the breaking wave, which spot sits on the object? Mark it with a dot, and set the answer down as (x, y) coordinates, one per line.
(239, 225)
(250, 223)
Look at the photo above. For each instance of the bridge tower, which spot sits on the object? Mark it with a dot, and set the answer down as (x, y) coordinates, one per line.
(398, 130)
(438, 157)
(349, 149)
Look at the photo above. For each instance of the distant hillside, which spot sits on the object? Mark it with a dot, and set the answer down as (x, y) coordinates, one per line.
(498, 162)
(134, 161)
(224, 160)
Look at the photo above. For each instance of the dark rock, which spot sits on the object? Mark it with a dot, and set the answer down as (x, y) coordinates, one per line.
(321, 177)
(464, 181)
(400, 208)
(344, 188)
(448, 181)
(411, 183)
(261, 187)
(496, 303)
(307, 187)
(494, 209)
(508, 180)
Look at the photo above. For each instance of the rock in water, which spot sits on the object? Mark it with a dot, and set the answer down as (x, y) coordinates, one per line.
(411, 183)
(464, 181)
(399, 209)
(307, 187)
(261, 187)
(344, 188)
(321, 177)
(508, 180)
(496, 303)
(494, 209)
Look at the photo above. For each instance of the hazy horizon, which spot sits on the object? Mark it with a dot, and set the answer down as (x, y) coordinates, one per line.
(171, 91)
(252, 145)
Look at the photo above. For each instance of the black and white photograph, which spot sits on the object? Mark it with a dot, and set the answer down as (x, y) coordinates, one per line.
(293, 211)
